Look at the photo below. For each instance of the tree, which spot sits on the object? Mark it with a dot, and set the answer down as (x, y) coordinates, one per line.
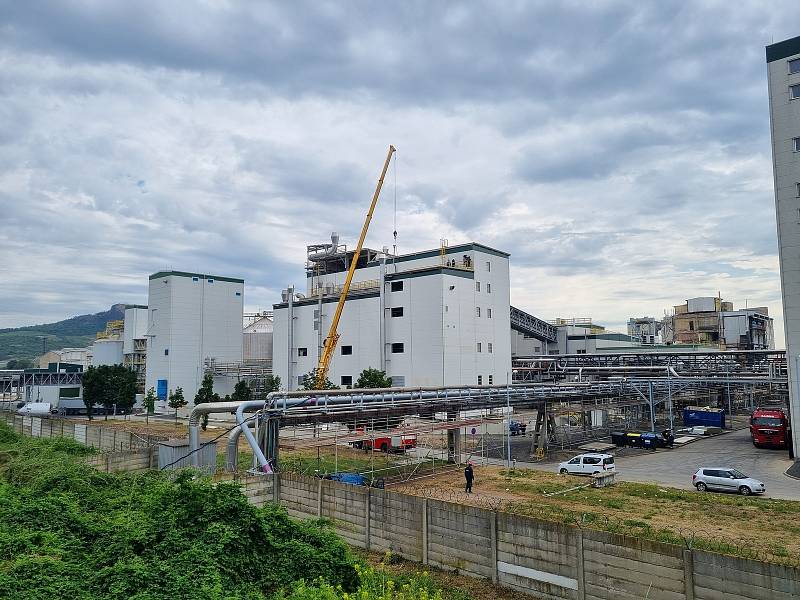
(19, 363)
(177, 401)
(272, 383)
(204, 395)
(122, 387)
(149, 404)
(93, 389)
(241, 392)
(373, 378)
(310, 382)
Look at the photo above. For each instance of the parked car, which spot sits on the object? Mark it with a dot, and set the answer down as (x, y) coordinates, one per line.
(587, 464)
(725, 479)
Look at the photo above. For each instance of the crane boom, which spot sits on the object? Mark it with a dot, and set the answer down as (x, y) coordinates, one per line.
(333, 335)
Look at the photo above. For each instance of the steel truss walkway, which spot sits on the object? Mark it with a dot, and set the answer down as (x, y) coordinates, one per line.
(533, 326)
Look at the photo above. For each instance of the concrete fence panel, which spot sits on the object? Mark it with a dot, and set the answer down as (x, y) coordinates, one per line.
(396, 523)
(346, 506)
(300, 496)
(460, 537)
(537, 556)
(36, 427)
(627, 568)
(718, 577)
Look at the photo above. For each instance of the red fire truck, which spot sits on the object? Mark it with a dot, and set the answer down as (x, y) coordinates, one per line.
(387, 443)
(769, 427)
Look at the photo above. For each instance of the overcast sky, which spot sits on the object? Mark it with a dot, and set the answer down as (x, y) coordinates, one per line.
(618, 150)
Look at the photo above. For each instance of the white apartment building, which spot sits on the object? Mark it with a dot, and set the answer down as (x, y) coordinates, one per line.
(783, 74)
(433, 318)
(191, 317)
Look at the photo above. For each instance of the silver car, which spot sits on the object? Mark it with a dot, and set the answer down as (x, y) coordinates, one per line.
(725, 479)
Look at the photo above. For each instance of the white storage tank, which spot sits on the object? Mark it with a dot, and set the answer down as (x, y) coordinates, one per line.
(106, 352)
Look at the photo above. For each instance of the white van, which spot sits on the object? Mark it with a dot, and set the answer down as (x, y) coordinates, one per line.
(587, 464)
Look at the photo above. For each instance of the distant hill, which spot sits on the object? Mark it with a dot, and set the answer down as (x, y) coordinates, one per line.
(76, 332)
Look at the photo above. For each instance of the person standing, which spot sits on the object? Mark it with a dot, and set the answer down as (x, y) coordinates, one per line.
(469, 475)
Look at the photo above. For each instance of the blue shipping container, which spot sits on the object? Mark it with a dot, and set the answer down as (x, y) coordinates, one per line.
(710, 417)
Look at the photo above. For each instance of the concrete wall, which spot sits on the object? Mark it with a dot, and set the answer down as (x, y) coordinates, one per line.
(102, 438)
(545, 559)
(127, 460)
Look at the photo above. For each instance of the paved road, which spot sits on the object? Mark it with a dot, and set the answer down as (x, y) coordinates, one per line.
(675, 467)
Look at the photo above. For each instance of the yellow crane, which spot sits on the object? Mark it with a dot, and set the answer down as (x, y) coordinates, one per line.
(333, 336)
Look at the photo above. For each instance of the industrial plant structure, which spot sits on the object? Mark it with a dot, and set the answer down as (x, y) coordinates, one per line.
(193, 317)
(432, 318)
(783, 73)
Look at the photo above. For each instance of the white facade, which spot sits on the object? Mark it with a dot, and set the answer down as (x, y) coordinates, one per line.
(427, 319)
(136, 322)
(783, 72)
(258, 338)
(192, 317)
(73, 356)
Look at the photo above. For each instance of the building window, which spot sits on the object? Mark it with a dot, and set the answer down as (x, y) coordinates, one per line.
(797, 189)
(794, 65)
(238, 293)
(398, 348)
(397, 286)
(477, 311)
(794, 91)
(195, 279)
(488, 313)
(480, 379)
(347, 350)
(316, 325)
(796, 144)
(210, 281)
(166, 351)
(579, 351)
(301, 380)
(488, 288)
(397, 311)
(316, 313)
(302, 352)
(347, 381)
(479, 347)
(489, 347)
(691, 325)
(398, 380)
(488, 268)
(490, 379)
(477, 286)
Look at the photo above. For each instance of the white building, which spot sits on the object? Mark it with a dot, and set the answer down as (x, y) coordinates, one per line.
(783, 72)
(433, 318)
(134, 340)
(192, 317)
(257, 335)
(73, 356)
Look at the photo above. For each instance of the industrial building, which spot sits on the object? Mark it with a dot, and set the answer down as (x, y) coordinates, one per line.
(432, 318)
(645, 330)
(570, 336)
(712, 322)
(193, 318)
(783, 73)
(72, 356)
(134, 341)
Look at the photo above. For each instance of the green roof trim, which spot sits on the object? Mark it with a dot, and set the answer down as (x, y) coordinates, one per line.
(162, 274)
(329, 300)
(783, 49)
(449, 250)
(144, 306)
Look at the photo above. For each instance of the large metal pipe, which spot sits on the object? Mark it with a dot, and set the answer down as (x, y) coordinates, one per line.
(232, 448)
(194, 423)
(251, 439)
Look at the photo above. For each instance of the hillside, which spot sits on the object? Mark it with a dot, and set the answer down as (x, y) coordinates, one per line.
(75, 332)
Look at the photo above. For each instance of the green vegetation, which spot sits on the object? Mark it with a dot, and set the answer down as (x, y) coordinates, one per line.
(149, 404)
(176, 401)
(77, 332)
(206, 394)
(310, 381)
(20, 363)
(68, 531)
(373, 378)
(109, 385)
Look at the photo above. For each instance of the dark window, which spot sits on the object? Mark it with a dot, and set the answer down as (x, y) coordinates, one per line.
(575, 461)
(166, 351)
(347, 380)
(691, 325)
(302, 352)
(491, 379)
(591, 460)
(796, 144)
(238, 293)
(195, 279)
(398, 348)
(301, 380)
(794, 91)
(397, 311)
(398, 380)
(480, 379)
(397, 286)
(768, 421)
(210, 281)
(794, 65)
(347, 350)
(488, 288)
(608, 461)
